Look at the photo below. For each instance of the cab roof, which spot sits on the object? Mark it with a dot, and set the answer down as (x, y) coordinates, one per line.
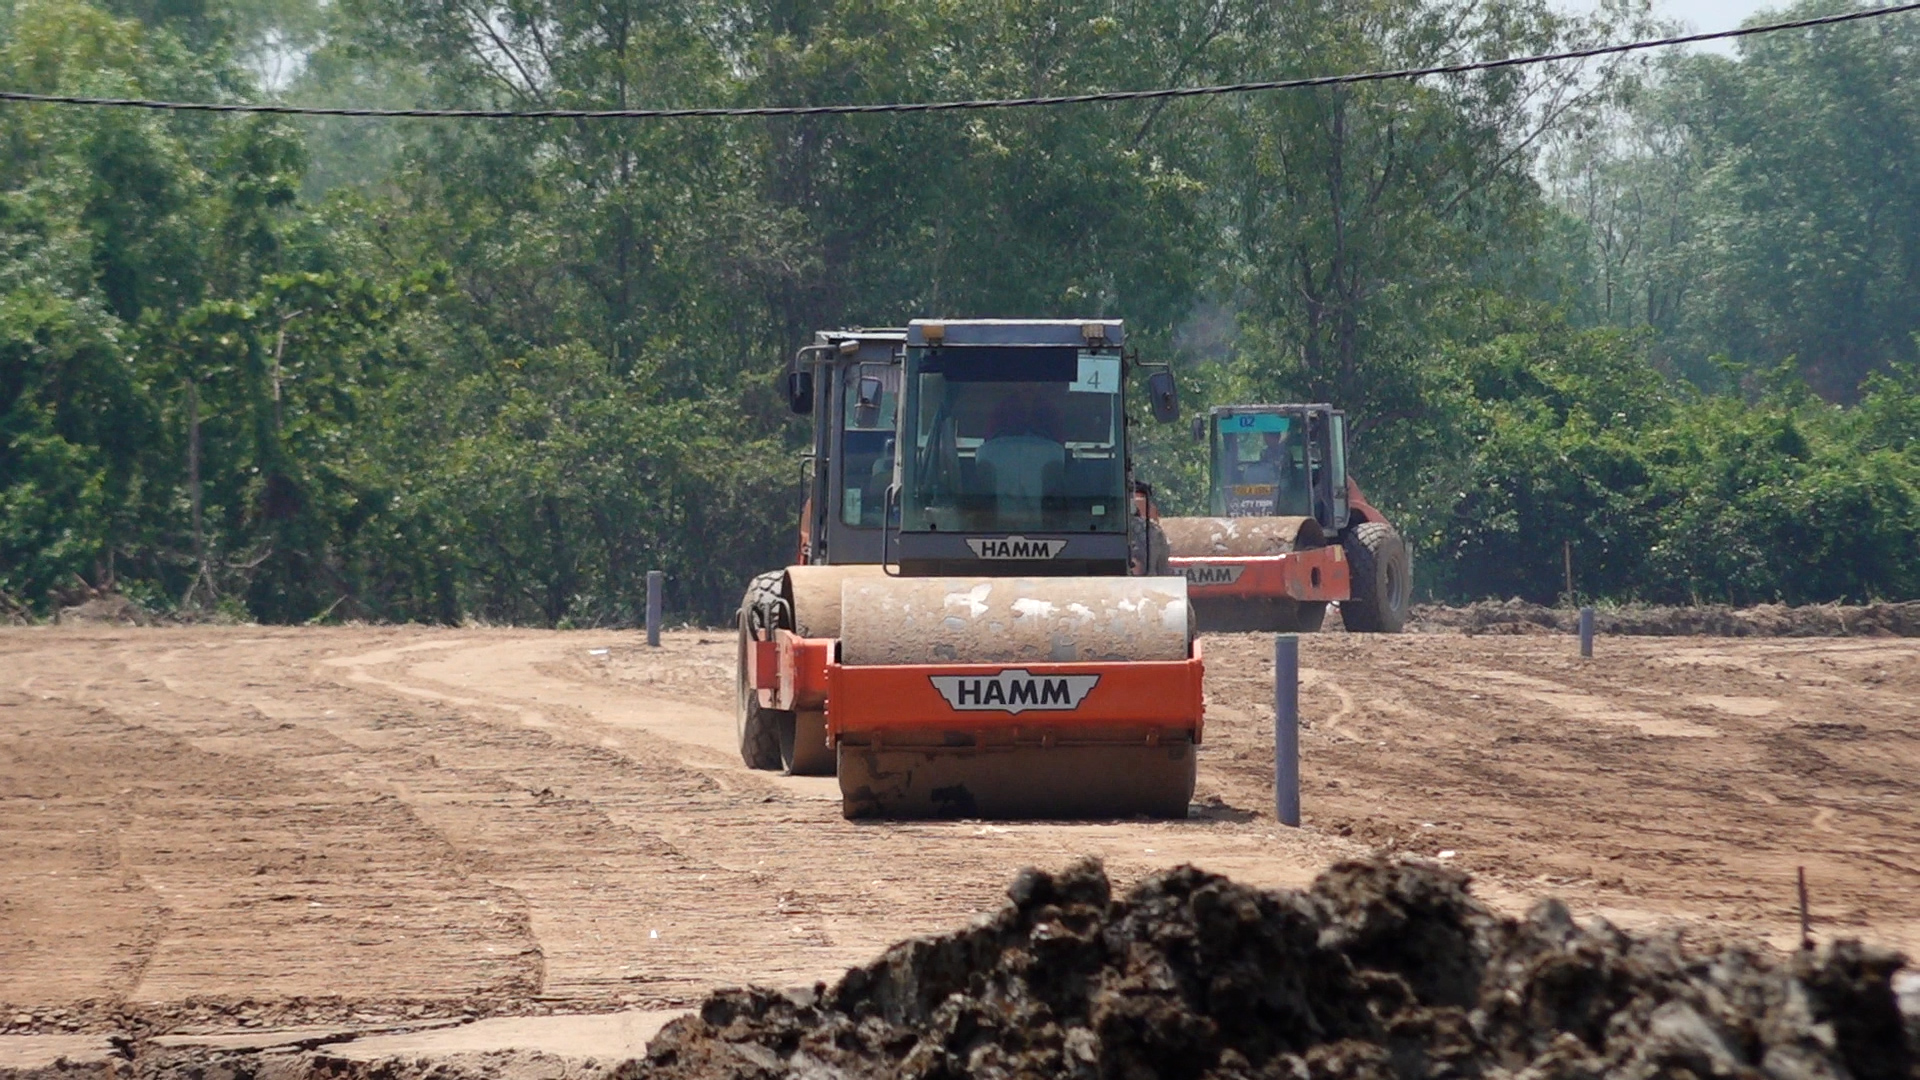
(1043, 332)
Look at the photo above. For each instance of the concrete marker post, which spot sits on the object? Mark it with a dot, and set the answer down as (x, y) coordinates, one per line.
(1286, 729)
(654, 579)
(1806, 923)
(1586, 632)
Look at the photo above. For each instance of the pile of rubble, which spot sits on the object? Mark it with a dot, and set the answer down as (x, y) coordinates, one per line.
(1381, 970)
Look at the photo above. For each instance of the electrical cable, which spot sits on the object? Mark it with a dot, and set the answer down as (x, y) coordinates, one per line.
(955, 106)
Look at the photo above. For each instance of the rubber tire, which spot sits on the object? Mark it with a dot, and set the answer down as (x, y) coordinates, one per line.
(1313, 615)
(757, 728)
(1158, 551)
(1382, 576)
(814, 759)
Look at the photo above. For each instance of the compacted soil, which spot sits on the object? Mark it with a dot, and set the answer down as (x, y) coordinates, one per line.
(226, 829)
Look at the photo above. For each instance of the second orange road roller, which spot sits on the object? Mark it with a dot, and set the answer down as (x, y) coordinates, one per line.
(1290, 531)
(980, 622)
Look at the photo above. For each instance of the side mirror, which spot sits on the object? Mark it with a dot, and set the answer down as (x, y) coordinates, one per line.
(1163, 398)
(1199, 429)
(866, 402)
(799, 391)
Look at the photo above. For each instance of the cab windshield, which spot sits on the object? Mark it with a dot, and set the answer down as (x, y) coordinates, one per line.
(1009, 438)
(1260, 467)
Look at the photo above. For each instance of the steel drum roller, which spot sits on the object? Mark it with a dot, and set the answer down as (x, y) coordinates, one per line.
(815, 594)
(1231, 538)
(1200, 537)
(1013, 620)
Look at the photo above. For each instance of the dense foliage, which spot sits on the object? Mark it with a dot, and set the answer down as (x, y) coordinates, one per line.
(360, 369)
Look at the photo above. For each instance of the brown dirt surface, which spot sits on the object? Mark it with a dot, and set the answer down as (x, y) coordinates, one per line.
(1382, 969)
(224, 829)
(1517, 616)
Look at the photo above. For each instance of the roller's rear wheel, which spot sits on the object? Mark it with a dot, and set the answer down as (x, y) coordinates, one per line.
(1382, 575)
(1158, 551)
(758, 728)
(803, 744)
(1311, 616)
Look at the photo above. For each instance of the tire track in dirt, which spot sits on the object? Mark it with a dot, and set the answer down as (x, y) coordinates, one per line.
(831, 881)
(1664, 779)
(59, 837)
(558, 798)
(645, 862)
(256, 875)
(536, 814)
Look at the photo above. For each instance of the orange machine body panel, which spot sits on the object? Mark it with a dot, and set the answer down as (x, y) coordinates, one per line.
(1074, 701)
(1315, 574)
(789, 671)
(1358, 506)
(1011, 702)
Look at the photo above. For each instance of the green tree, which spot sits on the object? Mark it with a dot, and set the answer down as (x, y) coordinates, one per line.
(1761, 209)
(432, 370)
(1370, 224)
(1669, 496)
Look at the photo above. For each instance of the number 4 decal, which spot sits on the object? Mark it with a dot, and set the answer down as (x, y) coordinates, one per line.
(1098, 375)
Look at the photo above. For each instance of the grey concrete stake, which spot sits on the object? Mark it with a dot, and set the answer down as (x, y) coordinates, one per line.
(1806, 924)
(1586, 631)
(654, 578)
(1286, 729)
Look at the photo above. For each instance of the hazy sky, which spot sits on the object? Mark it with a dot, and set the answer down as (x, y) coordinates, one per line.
(1707, 15)
(1702, 16)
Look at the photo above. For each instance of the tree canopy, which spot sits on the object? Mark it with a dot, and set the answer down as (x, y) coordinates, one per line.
(1663, 312)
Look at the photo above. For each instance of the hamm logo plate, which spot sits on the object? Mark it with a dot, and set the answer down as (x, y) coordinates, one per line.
(1214, 574)
(1015, 547)
(1014, 691)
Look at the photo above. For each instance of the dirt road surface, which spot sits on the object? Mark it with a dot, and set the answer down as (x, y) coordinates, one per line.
(207, 830)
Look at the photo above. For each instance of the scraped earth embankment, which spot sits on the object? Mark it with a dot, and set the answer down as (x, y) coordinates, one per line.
(1764, 620)
(329, 839)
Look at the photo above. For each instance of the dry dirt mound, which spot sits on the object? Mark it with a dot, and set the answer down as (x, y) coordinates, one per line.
(1766, 620)
(13, 612)
(110, 609)
(1380, 970)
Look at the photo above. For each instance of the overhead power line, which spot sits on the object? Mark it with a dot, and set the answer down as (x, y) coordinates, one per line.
(955, 106)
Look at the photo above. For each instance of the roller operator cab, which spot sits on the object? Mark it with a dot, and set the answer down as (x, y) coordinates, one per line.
(1017, 462)
(848, 382)
(972, 628)
(1290, 531)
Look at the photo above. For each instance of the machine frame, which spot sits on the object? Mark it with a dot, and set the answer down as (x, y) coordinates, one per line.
(1121, 733)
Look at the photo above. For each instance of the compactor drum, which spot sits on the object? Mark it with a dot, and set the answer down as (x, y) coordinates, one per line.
(971, 629)
(1224, 599)
(1290, 531)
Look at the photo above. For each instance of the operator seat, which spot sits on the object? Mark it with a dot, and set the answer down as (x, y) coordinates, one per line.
(1024, 467)
(1020, 463)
